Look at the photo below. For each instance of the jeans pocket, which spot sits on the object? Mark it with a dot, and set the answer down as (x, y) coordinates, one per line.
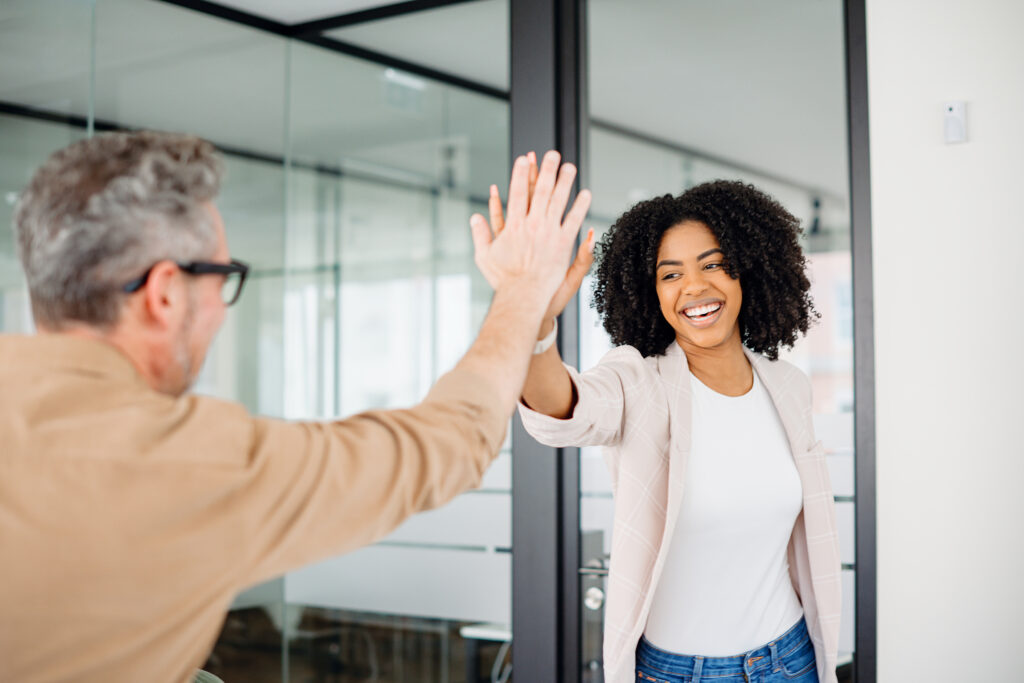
(800, 662)
(645, 675)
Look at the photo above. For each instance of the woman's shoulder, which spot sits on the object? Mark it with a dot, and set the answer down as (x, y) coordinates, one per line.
(624, 353)
(629, 357)
(629, 368)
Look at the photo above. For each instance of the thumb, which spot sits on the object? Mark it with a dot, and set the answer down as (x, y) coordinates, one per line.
(584, 259)
(574, 276)
(481, 232)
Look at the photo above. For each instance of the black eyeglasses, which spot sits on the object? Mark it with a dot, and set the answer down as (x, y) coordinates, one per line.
(234, 277)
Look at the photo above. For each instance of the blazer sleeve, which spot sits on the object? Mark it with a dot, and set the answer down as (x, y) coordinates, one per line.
(321, 489)
(600, 412)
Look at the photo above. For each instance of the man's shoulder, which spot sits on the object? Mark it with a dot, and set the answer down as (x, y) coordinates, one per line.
(54, 410)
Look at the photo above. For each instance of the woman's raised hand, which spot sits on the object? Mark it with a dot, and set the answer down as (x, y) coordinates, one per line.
(536, 204)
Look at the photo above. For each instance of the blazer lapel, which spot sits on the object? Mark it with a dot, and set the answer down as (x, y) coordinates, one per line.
(780, 381)
(816, 539)
(675, 373)
(675, 376)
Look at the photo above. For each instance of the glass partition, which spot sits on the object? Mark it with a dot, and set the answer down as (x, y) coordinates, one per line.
(349, 188)
(45, 52)
(382, 297)
(754, 92)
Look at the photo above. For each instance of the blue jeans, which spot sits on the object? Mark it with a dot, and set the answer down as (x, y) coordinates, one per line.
(790, 657)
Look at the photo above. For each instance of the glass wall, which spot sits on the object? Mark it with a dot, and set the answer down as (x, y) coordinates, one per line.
(382, 296)
(746, 91)
(349, 187)
(45, 49)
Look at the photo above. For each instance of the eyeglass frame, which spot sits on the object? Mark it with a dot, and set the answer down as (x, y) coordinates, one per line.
(198, 268)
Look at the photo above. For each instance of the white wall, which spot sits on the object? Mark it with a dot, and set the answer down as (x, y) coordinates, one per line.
(948, 245)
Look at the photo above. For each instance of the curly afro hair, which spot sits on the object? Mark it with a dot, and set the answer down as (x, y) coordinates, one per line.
(760, 241)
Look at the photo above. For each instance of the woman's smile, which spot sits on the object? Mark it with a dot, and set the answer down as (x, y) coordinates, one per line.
(703, 313)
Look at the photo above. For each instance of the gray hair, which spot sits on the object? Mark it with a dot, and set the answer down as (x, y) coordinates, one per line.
(101, 211)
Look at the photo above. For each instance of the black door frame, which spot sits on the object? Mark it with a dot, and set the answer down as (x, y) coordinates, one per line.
(547, 77)
(865, 669)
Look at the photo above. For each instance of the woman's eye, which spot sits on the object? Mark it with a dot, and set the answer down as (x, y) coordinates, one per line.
(669, 276)
(713, 266)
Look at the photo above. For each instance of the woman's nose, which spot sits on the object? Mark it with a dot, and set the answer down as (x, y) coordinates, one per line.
(695, 284)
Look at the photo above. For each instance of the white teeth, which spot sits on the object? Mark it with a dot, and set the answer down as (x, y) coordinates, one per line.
(701, 310)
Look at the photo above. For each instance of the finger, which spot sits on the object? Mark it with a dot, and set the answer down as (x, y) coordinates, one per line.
(494, 207)
(533, 172)
(574, 219)
(545, 181)
(582, 263)
(584, 259)
(481, 235)
(563, 187)
(574, 276)
(518, 200)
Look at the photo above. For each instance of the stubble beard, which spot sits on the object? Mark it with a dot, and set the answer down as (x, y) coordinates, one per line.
(184, 358)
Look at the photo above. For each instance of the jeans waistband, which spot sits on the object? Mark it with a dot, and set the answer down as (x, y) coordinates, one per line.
(747, 662)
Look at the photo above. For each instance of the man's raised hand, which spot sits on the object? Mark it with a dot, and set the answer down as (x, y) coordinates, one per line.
(532, 243)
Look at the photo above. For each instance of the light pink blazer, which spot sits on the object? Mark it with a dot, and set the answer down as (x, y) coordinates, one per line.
(639, 410)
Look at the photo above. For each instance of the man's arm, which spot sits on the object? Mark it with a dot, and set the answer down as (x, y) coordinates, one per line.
(322, 489)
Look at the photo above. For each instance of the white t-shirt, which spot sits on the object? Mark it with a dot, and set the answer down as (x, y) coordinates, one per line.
(725, 588)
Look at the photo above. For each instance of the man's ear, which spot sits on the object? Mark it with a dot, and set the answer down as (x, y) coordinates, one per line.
(165, 294)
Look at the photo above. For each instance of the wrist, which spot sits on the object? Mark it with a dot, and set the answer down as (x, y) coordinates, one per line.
(529, 291)
(547, 341)
(546, 326)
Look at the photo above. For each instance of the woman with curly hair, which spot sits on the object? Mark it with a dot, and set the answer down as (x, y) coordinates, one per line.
(725, 556)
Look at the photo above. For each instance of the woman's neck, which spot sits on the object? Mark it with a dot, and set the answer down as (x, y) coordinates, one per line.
(724, 369)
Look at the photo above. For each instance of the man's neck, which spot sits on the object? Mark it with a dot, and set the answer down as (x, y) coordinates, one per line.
(116, 339)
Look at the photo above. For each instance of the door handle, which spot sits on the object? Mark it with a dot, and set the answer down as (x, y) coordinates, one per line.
(593, 598)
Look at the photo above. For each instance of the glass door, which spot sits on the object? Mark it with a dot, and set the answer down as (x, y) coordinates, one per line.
(683, 93)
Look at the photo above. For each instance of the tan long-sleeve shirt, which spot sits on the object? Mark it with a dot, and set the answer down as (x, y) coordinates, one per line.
(129, 519)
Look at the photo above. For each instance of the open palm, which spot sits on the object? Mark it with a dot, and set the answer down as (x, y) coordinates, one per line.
(537, 201)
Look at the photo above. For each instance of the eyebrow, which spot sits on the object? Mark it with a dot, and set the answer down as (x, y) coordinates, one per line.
(669, 262)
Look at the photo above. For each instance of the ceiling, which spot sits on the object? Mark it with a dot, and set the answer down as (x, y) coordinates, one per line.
(760, 84)
(301, 11)
(468, 39)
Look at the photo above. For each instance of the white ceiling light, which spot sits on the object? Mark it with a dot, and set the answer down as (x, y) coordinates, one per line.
(404, 79)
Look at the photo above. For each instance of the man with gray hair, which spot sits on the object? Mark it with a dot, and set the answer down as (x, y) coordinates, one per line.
(131, 512)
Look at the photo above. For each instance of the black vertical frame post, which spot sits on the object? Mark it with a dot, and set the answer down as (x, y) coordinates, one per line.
(546, 113)
(866, 641)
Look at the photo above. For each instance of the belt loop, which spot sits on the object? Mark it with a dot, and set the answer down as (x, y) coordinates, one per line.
(776, 662)
(698, 664)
